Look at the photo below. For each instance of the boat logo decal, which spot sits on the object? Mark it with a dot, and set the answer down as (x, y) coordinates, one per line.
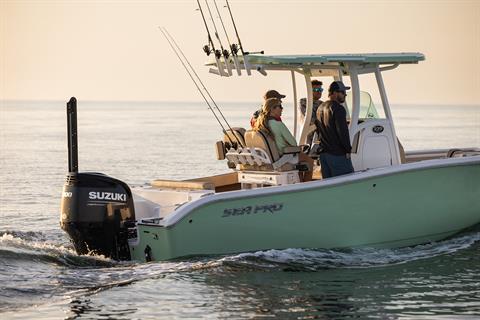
(95, 195)
(377, 129)
(267, 208)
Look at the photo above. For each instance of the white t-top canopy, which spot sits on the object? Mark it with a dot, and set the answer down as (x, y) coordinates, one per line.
(315, 64)
(324, 61)
(314, 59)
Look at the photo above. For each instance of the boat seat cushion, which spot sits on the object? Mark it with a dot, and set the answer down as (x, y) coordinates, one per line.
(192, 185)
(259, 139)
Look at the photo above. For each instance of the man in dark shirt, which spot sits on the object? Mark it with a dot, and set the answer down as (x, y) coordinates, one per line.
(333, 133)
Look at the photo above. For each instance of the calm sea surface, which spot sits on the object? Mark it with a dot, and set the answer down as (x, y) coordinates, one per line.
(41, 277)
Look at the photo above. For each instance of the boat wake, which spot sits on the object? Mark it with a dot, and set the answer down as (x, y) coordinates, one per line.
(45, 268)
(313, 260)
(17, 245)
(28, 246)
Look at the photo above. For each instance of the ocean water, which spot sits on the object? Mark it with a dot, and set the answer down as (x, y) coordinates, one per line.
(41, 276)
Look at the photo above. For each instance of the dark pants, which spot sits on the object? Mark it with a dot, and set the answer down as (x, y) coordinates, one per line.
(333, 165)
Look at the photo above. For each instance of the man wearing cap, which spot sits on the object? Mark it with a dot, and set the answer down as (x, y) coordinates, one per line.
(333, 133)
(317, 94)
(269, 94)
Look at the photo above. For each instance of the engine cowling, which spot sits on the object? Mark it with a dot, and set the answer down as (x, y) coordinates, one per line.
(97, 212)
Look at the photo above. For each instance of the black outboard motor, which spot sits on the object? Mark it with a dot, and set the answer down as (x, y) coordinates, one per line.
(97, 210)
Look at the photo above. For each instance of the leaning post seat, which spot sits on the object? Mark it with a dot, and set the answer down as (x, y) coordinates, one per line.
(260, 162)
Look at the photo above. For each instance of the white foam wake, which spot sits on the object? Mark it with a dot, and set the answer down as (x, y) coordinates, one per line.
(310, 259)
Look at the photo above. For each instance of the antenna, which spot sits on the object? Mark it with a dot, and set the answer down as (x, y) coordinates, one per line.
(234, 53)
(175, 48)
(206, 48)
(224, 52)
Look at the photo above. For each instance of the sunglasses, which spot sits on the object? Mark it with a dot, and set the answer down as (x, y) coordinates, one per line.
(317, 89)
(279, 107)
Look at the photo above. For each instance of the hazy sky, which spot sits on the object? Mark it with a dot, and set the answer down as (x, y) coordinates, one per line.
(113, 50)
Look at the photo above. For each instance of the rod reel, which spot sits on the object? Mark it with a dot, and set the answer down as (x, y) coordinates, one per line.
(234, 49)
(226, 54)
(207, 50)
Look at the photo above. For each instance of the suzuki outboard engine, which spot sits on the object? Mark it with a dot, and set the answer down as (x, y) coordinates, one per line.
(97, 210)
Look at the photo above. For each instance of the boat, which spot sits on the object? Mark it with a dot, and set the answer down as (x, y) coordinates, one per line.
(395, 198)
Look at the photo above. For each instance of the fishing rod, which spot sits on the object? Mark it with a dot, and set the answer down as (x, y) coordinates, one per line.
(167, 35)
(224, 52)
(234, 53)
(206, 48)
(247, 67)
(204, 88)
(198, 88)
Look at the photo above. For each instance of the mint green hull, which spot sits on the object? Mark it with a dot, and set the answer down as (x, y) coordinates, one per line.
(383, 210)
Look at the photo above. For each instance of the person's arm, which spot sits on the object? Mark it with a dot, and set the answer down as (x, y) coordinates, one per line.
(340, 116)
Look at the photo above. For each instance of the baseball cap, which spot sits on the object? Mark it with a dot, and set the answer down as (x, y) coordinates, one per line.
(337, 86)
(273, 94)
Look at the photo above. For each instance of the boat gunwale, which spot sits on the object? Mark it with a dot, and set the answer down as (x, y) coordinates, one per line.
(178, 215)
